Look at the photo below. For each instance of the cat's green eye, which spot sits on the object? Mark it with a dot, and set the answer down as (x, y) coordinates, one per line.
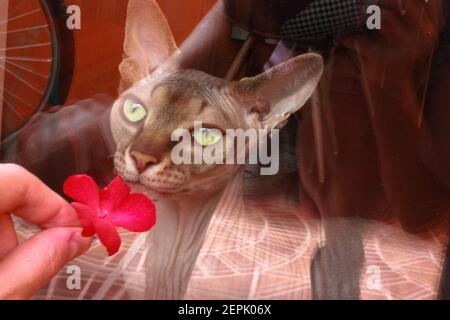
(134, 111)
(207, 137)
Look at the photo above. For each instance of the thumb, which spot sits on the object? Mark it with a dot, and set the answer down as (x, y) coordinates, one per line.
(36, 261)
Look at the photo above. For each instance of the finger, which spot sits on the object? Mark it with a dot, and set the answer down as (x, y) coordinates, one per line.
(26, 196)
(36, 261)
(8, 237)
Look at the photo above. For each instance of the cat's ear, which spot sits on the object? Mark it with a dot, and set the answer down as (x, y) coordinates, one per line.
(283, 89)
(148, 42)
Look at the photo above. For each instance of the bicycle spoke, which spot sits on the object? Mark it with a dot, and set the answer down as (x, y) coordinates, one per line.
(25, 68)
(25, 29)
(19, 16)
(10, 107)
(18, 8)
(22, 80)
(44, 44)
(24, 58)
(17, 98)
(27, 59)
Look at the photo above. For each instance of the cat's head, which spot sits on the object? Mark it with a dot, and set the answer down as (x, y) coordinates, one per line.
(157, 98)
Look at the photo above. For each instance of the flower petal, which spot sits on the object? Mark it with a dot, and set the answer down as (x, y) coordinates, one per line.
(108, 235)
(137, 214)
(86, 215)
(114, 194)
(83, 189)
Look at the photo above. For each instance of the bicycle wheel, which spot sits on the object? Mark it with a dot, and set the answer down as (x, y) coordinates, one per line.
(36, 58)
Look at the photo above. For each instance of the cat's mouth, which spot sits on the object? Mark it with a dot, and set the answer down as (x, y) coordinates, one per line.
(153, 189)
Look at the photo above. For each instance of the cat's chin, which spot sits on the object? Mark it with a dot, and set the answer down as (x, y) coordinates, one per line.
(152, 193)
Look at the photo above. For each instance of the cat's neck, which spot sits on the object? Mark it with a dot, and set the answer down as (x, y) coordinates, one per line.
(176, 240)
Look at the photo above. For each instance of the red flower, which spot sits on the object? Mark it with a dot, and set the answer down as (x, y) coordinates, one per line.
(100, 212)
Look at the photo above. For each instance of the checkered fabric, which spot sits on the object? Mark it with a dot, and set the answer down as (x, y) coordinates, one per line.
(324, 18)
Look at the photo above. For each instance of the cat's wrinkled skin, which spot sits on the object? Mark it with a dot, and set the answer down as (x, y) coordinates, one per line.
(174, 98)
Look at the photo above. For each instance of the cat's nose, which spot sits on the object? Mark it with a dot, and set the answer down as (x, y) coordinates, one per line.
(143, 161)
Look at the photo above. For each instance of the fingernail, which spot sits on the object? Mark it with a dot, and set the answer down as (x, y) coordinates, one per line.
(78, 245)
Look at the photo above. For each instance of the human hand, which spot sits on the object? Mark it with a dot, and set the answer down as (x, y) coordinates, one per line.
(26, 267)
